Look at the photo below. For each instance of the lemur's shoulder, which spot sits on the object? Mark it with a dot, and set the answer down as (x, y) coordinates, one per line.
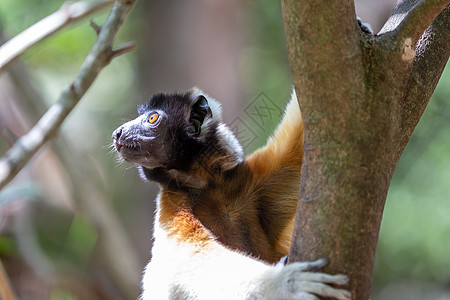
(285, 146)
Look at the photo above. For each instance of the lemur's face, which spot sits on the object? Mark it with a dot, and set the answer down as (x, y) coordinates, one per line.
(169, 130)
(142, 140)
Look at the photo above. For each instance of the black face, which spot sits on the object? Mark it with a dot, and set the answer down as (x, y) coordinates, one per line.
(167, 133)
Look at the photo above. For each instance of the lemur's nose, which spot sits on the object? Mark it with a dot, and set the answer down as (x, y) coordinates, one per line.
(117, 133)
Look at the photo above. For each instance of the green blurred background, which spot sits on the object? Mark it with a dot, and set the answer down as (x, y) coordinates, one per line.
(76, 224)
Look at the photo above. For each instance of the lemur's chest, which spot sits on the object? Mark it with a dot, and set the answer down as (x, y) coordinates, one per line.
(236, 223)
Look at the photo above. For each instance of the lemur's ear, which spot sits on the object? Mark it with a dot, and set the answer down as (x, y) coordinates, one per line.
(200, 110)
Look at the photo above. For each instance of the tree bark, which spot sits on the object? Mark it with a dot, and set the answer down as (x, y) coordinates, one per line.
(361, 97)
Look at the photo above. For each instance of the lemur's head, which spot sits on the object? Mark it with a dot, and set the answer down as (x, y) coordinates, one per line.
(172, 132)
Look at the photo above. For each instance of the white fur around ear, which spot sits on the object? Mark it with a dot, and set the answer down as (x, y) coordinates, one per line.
(230, 143)
(215, 106)
(227, 140)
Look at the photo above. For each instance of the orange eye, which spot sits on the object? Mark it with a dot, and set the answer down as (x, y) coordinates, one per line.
(153, 118)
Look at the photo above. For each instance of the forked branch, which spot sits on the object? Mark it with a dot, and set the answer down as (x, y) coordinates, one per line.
(67, 14)
(100, 55)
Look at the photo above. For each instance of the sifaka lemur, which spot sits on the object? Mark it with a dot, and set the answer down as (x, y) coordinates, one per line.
(223, 220)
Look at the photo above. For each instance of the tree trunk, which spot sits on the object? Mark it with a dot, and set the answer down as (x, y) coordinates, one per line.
(361, 96)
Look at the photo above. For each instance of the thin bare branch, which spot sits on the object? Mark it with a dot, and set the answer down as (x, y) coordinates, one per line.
(100, 55)
(68, 14)
(120, 260)
(96, 27)
(124, 48)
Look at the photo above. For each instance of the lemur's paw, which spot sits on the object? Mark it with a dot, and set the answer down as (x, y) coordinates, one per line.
(364, 26)
(300, 282)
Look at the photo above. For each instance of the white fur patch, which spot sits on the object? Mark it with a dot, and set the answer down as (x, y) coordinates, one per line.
(183, 271)
(229, 142)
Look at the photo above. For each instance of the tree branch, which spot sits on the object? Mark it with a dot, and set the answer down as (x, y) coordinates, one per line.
(120, 260)
(408, 22)
(432, 54)
(409, 19)
(100, 55)
(418, 19)
(66, 15)
(124, 48)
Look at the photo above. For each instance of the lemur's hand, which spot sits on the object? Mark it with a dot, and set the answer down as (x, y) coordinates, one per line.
(298, 281)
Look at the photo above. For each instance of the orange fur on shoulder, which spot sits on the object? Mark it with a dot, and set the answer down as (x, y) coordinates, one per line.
(284, 147)
(176, 217)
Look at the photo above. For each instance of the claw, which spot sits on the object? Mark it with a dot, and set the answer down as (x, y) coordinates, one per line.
(283, 261)
(314, 265)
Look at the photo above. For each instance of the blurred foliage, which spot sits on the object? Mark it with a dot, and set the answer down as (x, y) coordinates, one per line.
(415, 234)
(264, 65)
(71, 242)
(8, 246)
(61, 294)
(23, 190)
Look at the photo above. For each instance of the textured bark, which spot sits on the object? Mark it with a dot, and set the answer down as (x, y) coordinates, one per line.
(361, 97)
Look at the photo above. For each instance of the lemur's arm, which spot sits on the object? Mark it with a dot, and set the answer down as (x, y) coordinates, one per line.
(284, 148)
(276, 168)
(188, 263)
